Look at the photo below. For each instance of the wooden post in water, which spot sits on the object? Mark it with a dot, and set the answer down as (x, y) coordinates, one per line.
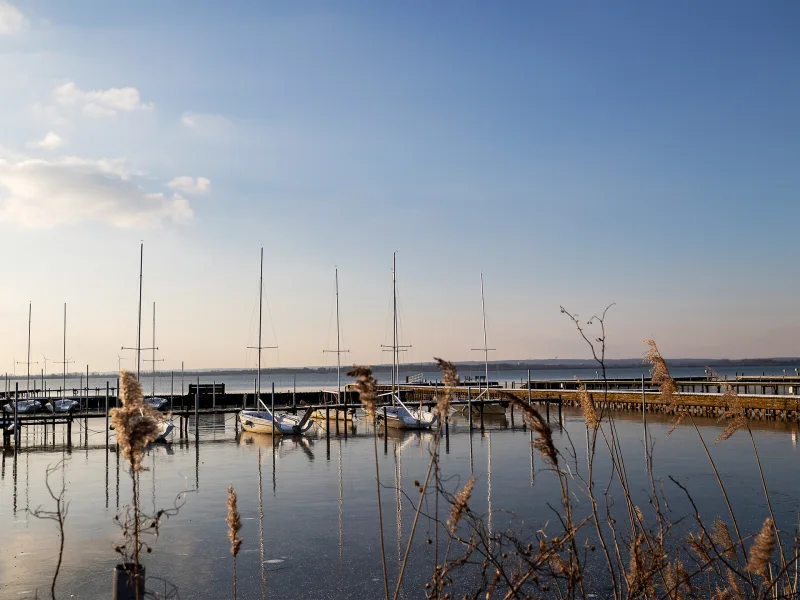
(106, 416)
(196, 406)
(256, 398)
(214, 394)
(294, 393)
(529, 388)
(469, 407)
(272, 400)
(16, 416)
(171, 390)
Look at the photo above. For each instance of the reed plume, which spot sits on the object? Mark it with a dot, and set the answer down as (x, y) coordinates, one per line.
(366, 386)
(721, 536)
(234, 521)
(135, 422)
(450, 379)
(544, 435)
(734, 414)
(761, 550)
(587, 406)
(660, 376)
(460, 504)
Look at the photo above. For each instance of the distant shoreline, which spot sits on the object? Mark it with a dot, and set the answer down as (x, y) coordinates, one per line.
(503, 365)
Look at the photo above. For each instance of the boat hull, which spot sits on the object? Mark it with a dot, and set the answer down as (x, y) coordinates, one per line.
(262, 422)
(337, 414)
(400, 418)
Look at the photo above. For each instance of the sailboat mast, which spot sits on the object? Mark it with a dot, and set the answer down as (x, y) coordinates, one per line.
(338, 344)
(139, 327)
(485, 345)
(154, 350)
(260, 304)
(64, 374)
(28, 364)
(395, 358)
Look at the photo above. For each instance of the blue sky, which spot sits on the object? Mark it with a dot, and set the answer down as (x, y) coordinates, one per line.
(576, 153)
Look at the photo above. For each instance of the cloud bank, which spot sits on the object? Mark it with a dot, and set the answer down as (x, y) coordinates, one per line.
(42, 194)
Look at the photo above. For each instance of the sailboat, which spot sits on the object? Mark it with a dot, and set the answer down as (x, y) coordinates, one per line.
(163, 424)
(63, 405)
(398, 415)
(488, 409)
(266, 421)
(28, 405)
(337, 414)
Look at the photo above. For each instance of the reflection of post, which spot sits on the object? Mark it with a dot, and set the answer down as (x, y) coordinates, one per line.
(117, 458)
(14, 474)
(531, 446)
(644, 426)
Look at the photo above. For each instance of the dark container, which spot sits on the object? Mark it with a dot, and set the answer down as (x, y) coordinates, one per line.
(126, 583)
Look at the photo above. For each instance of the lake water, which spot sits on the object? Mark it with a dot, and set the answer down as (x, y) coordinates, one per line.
(309, 505)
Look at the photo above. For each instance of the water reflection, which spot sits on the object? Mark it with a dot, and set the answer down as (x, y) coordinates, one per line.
(314, 499)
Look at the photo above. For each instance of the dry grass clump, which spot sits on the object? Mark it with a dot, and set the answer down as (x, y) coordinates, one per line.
(587, 406)
(366, 385)
(660, 376)
(761, 550)
(544, 435)
(135, 422)
(460, 504)
(450, 379)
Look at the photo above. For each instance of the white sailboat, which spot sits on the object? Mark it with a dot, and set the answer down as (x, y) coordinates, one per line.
(266, 421)
(398, 415)
(64, 405)
(488, 409)
(336, 414)
(163, 424)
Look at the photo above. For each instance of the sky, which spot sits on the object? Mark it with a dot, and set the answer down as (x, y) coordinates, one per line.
(578, 154)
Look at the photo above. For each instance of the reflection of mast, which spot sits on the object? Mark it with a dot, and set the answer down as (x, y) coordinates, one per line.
(489, 479)
(341, 530)
(261, 528)
(398, 475)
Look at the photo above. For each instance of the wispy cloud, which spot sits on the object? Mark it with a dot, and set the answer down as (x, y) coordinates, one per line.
(206, 124)
(50, 141)
(12, 21)
(190, 185)
(71, 191)
(100, 103)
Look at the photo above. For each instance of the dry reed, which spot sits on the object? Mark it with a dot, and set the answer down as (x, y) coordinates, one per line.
(587, 406)
(734, 414)
(660, 376)
(135, 423)
(537, 424)
(460, 504)
(450, 379)
(234, 521)
(761, 550)
(366, 386)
